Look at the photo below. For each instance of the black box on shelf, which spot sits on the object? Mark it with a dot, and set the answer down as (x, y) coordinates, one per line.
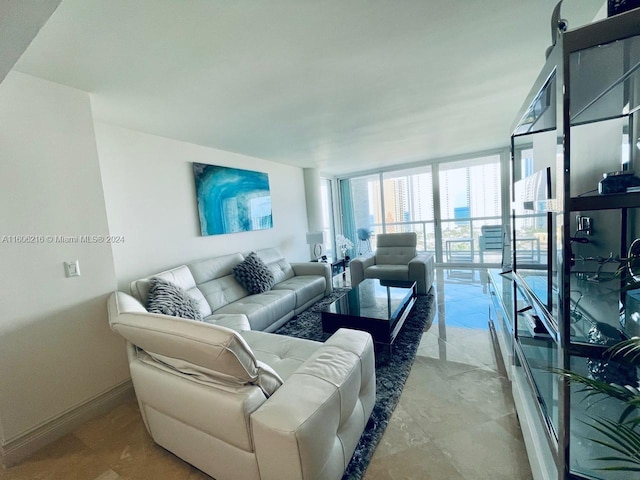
(614, 7)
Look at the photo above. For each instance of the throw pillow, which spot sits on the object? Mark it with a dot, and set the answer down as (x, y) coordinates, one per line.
(253, 274)
(169, 299)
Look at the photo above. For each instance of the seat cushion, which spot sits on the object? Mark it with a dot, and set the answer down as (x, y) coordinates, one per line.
(283, 354)
(263, 309)
(387, 272)
(306, 287)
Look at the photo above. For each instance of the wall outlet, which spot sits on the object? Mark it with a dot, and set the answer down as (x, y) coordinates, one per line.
(72, 269)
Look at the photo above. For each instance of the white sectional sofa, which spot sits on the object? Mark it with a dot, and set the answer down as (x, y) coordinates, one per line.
(223, 300)
(236, 401)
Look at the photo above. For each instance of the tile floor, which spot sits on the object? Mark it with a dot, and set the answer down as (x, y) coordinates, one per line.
(455, 419)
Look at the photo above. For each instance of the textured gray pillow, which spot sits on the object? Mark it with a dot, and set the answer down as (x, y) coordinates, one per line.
(253, 274)
(169, 299)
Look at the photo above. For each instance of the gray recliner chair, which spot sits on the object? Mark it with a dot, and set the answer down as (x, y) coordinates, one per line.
(395, 258)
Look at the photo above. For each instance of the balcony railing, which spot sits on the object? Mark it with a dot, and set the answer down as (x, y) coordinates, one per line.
(460, 240)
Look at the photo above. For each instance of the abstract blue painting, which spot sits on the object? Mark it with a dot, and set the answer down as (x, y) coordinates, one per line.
(232, 200)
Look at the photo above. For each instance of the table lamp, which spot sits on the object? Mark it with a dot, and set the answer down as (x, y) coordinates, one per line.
(317, 240)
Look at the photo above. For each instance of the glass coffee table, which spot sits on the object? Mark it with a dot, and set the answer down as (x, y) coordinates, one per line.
(379, 307)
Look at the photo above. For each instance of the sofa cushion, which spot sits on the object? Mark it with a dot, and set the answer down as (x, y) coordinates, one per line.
(279, 266)
(395, 255)
(236, 322)
(306, 287)
(388, 272)
(222, 291)
(264, 309)
(213, 268)
(166, 298)
(396, 248)
(253, 274)
(180, 276)
(282, 353)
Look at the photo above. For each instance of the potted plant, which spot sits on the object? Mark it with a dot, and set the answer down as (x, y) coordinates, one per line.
(344, 245)
(621, 436)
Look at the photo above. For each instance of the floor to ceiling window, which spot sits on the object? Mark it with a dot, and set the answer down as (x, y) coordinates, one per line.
(470, 199)
(452, 206)
(408, 204)
(361, 211)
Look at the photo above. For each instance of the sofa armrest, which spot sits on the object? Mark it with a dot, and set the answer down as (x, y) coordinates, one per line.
(120, 303)
(315, 419)
(203, 345)
(315, 268)
(421, 270)
(358, 265)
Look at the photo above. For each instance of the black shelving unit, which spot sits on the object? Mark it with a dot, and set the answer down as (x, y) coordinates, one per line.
(579, 121)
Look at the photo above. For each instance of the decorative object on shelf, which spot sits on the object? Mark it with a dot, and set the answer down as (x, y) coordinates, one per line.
(232, 200)
(343, 244)
(607, 370)
(317, 240)
(585, 225)
(617, 182)
(614, 7)
(633, 260)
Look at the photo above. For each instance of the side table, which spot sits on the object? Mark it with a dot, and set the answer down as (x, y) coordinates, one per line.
(337, 266)
(339, 272)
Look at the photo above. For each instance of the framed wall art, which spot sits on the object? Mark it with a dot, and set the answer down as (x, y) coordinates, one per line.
(231, 199)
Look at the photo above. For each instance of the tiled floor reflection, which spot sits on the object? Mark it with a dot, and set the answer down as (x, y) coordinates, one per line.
(455, 419)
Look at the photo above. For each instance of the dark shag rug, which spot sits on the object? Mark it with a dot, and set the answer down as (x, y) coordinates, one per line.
(391, 370)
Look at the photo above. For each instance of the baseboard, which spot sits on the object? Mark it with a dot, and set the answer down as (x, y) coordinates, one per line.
(18, 449)
(541, 459)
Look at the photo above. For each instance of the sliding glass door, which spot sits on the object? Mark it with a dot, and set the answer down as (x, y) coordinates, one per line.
(408, 204)
(470, 201)
(362, 211)
(452, 206)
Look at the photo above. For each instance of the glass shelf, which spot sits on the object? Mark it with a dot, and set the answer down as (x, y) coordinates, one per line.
(611, 201)
(612, 70)
(540, 116)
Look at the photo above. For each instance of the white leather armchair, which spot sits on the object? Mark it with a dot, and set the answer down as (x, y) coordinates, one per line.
(395, 258)
(248, 405)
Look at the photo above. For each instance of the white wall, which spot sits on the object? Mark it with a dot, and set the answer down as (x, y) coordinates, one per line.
(57, 352)
(56, 349)
(150, 198)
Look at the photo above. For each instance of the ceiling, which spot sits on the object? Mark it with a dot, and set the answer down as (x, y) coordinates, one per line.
(342, 86)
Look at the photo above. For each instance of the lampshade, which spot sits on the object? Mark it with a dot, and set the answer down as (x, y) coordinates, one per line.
(317, 240)
(314, 238)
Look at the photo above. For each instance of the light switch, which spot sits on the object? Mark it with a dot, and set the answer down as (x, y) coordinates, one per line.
(72, 269)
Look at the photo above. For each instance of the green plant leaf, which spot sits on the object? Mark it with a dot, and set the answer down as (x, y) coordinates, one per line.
(622, 439)
(628, 349)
